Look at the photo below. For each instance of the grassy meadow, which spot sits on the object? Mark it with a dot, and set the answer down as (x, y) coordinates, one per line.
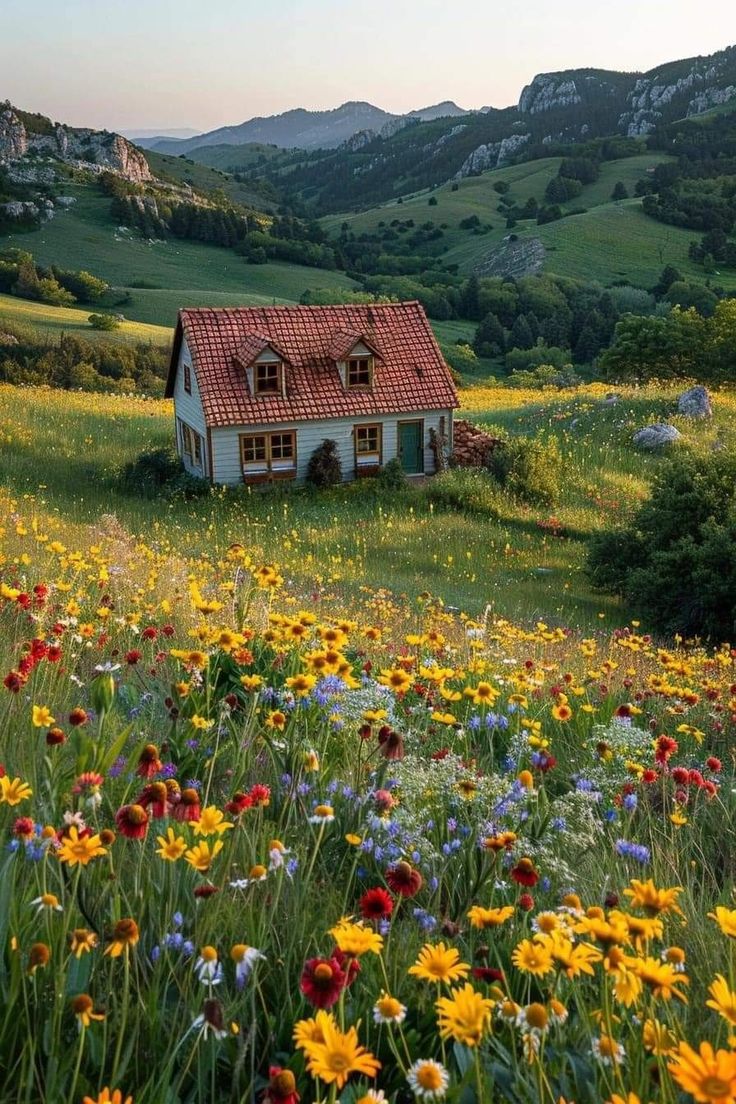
(54, 321)
(526, 562)
(279, 824)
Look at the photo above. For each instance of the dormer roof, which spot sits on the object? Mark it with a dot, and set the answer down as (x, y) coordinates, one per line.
(413, 375)
(345, 340)
(252, 346)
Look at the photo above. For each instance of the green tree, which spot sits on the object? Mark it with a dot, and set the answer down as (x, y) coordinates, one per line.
(656, 347)
(490, 337)
(675, 561)
(686, 295)
(521, 336)
(620, 191)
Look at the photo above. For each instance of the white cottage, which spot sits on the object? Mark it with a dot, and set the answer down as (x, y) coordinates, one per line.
(257, 389)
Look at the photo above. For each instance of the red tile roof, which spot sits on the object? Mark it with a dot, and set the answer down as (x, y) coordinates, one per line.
(410, 376)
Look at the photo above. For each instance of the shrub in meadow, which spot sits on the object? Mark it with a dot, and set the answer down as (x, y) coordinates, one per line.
(324, 468)
(530, 468)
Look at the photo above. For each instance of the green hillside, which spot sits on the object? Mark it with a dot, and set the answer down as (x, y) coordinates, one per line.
(173, 273)
(206, 177)
(231, 158)
(608, 242)
(57, 320)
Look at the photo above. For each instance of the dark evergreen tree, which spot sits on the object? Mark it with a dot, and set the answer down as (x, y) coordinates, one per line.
(521, 336)
(490, 337)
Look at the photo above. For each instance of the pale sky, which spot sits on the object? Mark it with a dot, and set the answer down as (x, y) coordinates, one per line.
(208, 63)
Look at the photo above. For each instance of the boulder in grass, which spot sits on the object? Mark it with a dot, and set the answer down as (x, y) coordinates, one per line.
(695, 403)
(656, 436)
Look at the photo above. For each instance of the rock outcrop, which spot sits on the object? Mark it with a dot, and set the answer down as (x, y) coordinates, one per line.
(491, 156)
(13, 137)
(695, 403)
(671, 93)
(514, 257)
(656, 436)
(95, 150)
(548, 91)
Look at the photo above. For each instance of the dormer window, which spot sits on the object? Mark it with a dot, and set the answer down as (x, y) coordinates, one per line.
(268, 378)
(360, 372)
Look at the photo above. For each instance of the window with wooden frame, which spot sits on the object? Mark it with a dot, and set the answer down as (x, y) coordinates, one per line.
(187, 378)
(267, 378)
(368, 445)
(359, 372)
(268, 454)
(191, 445)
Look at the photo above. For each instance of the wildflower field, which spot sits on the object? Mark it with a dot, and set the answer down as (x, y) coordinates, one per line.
(278, 823)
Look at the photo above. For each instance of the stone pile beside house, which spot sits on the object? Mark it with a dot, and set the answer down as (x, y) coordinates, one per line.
(472, 446)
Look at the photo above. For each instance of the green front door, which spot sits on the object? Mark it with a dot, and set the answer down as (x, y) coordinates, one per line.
(411, 450)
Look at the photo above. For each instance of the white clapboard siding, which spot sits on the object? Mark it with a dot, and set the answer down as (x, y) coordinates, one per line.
(226, 441)
(189, 409)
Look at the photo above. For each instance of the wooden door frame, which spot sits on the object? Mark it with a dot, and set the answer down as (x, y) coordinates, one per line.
(412, 421)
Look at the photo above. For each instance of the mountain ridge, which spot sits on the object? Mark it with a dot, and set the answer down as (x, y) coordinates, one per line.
(301, 128)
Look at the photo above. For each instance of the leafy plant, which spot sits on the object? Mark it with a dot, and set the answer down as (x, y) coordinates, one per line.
(530, 468)
(324, 468)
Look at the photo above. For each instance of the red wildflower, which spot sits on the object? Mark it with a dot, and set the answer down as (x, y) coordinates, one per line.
(13, 682)
(487, 974)
(384, 801)
(695, 778)
(133, 656)
(24, 827)
(149, 762)
(156, 797)
(89, 780)
(206, 890)
(350, 965)
(281, 1088)
(132, 821)
(77, 716)
(526, 902)
(149, 633)
(710, 787)
(404, 879)
(53, 655)
(322, 981)
(188, 807)
(665, 747)
(390, 743)
(546, 762)
(260, 795)
(55, 736)
(649, 776)
(238, 803)
(714, 764)
(524, 873)
(376, 904)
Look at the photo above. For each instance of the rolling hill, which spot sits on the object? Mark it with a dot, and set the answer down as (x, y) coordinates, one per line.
(152, 278)
(609, 242)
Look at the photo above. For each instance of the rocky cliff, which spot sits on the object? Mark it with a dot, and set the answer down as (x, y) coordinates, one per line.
(92, 149)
